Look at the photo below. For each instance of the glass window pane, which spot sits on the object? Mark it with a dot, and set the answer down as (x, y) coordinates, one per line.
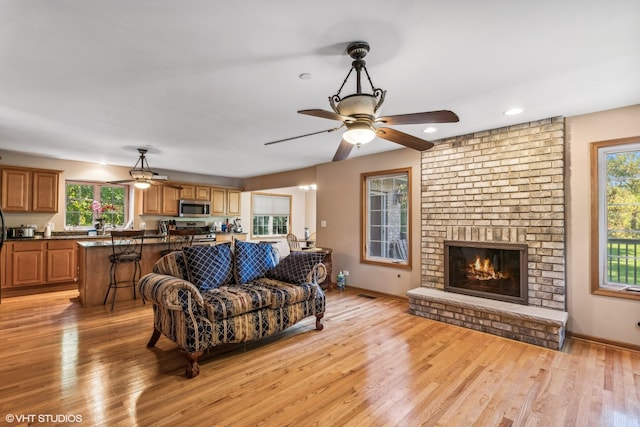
(386, 232)
(622, 212)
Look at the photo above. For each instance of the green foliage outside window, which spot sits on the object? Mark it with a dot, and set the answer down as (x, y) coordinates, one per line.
(79, 197)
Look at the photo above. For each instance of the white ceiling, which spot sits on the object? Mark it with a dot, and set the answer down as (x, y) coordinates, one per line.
(204, 84)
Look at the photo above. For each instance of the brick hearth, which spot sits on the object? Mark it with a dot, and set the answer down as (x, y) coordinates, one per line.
(533, 325)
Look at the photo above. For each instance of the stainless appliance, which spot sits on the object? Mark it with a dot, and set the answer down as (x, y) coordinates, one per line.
(193, 208)
(26, 232)
(204, 232)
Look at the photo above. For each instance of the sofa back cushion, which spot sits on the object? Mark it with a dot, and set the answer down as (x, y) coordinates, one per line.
(209, 266)
(296, 267)
(252, 260)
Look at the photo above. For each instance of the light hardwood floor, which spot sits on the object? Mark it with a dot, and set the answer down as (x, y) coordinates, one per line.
(372, 365)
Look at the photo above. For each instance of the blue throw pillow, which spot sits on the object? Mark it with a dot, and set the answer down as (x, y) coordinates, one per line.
(295, 267)
(209, 266)
(252, 260)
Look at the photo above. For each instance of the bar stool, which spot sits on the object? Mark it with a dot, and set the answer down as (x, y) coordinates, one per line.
(178, 239)
(126, 248)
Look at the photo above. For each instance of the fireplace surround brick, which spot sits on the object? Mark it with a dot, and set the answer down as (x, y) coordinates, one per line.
(500, 185)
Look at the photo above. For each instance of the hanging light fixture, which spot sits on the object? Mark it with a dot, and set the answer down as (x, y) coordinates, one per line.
(364, 107)
(142, 185)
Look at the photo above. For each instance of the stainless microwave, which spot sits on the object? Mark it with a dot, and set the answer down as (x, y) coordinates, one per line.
(193, 208)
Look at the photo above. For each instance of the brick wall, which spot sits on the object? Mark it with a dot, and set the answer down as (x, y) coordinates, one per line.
(502, 185)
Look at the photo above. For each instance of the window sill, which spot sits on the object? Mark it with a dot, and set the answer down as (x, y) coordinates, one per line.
(621, 292)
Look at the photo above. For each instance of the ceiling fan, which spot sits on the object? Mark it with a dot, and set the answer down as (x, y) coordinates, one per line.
(142, 176)
(360, 113)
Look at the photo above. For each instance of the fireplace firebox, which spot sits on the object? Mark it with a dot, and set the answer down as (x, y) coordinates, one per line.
(489, 270)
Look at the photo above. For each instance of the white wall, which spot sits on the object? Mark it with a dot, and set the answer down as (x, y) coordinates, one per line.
(597, 316)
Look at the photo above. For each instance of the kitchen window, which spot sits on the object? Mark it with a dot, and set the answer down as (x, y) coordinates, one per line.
(270, 215)
(386, 218)
(81, 211)
(615, 218)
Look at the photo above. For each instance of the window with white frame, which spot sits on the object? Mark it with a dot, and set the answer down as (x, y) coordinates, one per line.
(615, 245)
(386, 218)
(270, 215)
(87, 202)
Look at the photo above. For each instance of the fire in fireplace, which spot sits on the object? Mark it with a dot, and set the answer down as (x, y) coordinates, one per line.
(489, 270)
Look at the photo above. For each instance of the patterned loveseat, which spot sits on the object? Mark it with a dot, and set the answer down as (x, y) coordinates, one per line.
(204, 296)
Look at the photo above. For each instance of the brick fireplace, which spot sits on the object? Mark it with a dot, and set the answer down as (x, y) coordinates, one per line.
(497, 187)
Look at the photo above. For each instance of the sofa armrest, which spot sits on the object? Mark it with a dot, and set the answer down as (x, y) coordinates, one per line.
(317, 274)
(164, 290)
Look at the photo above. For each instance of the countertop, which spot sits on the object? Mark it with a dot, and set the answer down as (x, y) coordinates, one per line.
(68, 236)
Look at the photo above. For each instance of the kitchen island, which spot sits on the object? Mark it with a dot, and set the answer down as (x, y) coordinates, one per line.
(94, 267)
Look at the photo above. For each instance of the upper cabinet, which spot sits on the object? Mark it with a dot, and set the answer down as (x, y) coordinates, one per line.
(30, 190)
(233, 202)
(218, 201)
(160, 200)
(195, 192)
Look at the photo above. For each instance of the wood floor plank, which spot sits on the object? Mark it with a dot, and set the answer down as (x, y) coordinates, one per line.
(372, 365)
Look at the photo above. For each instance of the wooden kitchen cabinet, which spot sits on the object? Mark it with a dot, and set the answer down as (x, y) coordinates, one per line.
(218, 201)
(170, 198)
(26, 264)
(61, 261)
(195, 192)
(3, 263)
(152, 201)
(203, 193)
(233, 202)
(30, 190)
(16, 185)
(45, 191)
(160, 200)
(39, 262)
(188, 192)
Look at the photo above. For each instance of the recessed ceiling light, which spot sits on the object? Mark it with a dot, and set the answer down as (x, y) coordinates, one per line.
(429, 130)
(304, 76)
(512, 111)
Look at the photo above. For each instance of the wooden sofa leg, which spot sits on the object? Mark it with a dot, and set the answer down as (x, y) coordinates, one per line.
(193, 369)
(319, 325)
(154, 338)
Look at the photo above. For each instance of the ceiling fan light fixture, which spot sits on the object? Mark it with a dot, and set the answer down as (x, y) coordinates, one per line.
(359, 133)
(142, 185)
(360, 104)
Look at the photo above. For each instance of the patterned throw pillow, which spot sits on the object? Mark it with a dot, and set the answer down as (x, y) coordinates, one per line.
(295, 267)
(252, 260)
(209, 266)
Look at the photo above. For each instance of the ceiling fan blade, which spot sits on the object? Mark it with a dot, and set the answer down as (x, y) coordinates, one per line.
(122, 181)
(302, 136)
(344, 149)
(325, 114)
(442, 116)
(403, 139)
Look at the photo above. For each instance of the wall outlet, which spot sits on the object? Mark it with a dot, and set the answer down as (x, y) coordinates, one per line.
(345, 272)
(323, 223)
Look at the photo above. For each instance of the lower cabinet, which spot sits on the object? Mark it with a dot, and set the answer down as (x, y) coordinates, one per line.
(39, 262)
(61, 261)
(26, 264)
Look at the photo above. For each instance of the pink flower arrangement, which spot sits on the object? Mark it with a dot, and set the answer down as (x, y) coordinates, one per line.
(98, 208)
